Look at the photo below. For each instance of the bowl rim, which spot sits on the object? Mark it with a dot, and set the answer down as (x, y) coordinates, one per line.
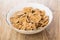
(32, 31)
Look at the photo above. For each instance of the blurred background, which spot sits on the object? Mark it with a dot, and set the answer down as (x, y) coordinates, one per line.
(52, 32)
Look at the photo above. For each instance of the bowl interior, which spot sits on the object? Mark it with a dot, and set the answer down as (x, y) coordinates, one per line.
(33, 5)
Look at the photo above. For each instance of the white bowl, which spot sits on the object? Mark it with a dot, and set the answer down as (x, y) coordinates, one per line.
(34, 5)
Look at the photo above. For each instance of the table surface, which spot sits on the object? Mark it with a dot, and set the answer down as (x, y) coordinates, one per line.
(52, 32)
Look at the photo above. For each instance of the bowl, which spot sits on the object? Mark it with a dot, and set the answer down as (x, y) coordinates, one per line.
(33, 5)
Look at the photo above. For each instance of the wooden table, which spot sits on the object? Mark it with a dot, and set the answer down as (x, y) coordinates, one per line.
(52, 32)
